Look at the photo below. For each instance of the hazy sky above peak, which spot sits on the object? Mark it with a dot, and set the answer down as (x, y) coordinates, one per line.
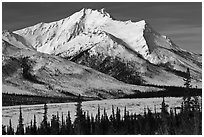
(182, 22)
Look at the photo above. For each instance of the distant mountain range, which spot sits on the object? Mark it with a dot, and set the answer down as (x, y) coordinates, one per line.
(114, 56)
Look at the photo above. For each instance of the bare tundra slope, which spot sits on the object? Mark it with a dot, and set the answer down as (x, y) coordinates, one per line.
(131, 52)
(25, 71)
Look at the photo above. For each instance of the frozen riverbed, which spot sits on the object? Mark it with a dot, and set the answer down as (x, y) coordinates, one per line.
(132, 105)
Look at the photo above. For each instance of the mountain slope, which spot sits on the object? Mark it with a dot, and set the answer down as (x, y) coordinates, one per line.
(33, 73)
(16, 40)
(148, 57)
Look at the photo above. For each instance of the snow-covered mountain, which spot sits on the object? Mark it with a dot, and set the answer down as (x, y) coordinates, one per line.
(129, 51)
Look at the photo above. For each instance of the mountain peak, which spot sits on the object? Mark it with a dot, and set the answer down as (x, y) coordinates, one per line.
(89, 11)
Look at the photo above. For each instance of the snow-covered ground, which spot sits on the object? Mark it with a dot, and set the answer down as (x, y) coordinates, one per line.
(132, 105)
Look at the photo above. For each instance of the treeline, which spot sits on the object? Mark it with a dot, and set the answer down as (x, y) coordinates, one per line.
(188, 120)
(18, 99)
(167, 92)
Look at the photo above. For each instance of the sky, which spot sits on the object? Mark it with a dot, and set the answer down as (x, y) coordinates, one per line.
(181, 22)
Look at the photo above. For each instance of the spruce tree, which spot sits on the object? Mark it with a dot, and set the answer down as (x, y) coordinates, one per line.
(3, 130)
(54, 125)
(164, 107)
(125, 112)
(78, 122)
(58, 123)
(10, 130)
(118, 122)
(105, 122)
(98, 115)
(63, 127)
(113, 114)
(44, 124)
(92, 125)
(88, 124)
(20, 127)
(34, 130)
(69, 128)
(187, 97)
(164, 115)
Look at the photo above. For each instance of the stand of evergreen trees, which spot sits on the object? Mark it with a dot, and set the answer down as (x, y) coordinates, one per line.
(188, 120)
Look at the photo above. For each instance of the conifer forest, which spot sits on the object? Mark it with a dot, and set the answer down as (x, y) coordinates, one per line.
(186, 121)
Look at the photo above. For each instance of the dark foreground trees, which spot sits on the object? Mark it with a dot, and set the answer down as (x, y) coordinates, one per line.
(20, 128)
(183, 121)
